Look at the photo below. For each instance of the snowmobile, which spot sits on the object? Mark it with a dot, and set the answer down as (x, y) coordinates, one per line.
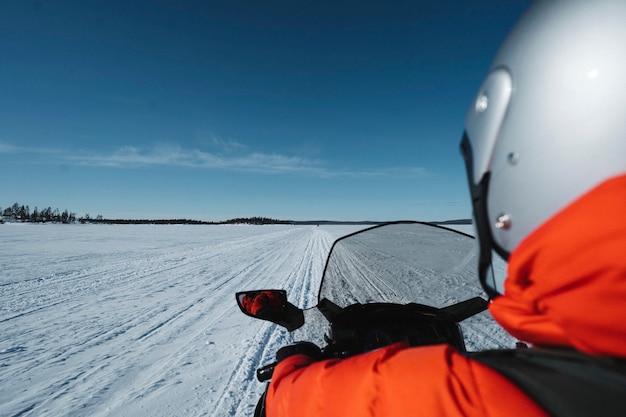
(408, 282)
(416, 283)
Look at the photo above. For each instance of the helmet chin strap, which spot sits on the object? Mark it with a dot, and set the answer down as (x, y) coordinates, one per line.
(478, 194)
(485, 241)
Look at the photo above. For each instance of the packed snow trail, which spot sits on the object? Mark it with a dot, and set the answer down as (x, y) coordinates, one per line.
(141, 320)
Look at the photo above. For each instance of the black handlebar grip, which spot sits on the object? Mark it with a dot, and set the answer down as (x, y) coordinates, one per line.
(265, 372)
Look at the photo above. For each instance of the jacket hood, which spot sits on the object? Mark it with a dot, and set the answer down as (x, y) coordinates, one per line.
(566, 283)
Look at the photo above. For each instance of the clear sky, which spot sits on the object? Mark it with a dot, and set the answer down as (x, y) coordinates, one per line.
(209, 110)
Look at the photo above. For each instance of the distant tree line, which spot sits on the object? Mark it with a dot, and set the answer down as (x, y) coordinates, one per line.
(21, 213)
(239, 220)
(256, 220)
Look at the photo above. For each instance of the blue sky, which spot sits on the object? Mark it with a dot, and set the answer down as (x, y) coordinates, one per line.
(341, 110)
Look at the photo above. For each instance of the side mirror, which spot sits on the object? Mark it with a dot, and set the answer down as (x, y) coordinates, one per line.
(270, 305)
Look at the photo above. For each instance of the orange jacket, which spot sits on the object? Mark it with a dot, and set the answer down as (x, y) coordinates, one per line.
(566, 281)
(393, 381)
(579, 300)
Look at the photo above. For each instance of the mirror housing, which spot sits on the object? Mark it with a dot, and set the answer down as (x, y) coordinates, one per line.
(270, 305)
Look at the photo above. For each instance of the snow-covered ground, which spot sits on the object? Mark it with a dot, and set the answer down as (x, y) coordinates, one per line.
(141, 320)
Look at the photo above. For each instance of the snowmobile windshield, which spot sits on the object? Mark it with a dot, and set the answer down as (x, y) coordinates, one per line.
(402, 263)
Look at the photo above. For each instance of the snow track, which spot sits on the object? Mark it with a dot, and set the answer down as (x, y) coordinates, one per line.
(141, 320)
(241, 393)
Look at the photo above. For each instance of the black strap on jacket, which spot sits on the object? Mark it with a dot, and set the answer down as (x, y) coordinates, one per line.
(565, 383)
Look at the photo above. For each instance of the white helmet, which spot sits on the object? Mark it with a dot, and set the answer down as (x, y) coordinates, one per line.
(549, 121)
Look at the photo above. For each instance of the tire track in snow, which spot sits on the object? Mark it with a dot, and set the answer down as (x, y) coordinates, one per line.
(265, 257)
(269, 257)
(269, 338)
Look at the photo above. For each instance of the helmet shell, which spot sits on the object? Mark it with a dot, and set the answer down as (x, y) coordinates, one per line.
(549, 122)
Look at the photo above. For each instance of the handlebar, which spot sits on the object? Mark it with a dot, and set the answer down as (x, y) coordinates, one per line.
(265, 373)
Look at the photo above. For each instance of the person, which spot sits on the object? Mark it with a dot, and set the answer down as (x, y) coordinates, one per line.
(545, 152)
